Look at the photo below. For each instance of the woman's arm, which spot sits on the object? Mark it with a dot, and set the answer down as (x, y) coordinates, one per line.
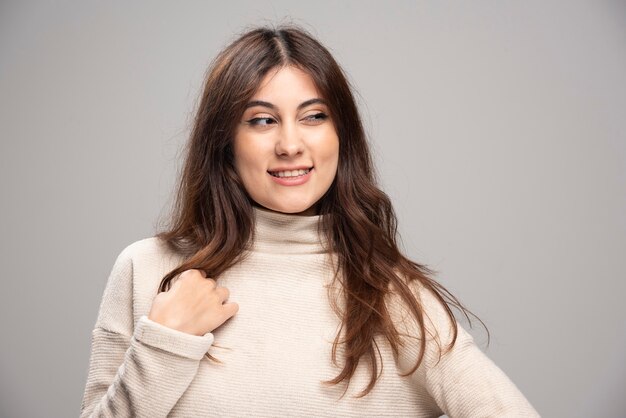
(142, 370)
(465, 382)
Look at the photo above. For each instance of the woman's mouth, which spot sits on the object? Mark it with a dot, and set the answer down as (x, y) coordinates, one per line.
(290, 173)
(291, 177)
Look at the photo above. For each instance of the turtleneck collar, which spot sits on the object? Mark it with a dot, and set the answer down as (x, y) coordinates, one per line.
(284, 233)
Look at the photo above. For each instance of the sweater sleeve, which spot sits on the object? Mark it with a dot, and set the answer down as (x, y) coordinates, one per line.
(137, 370)
(464, 382)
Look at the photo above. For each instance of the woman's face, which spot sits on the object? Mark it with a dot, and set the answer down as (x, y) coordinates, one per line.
(286, 148)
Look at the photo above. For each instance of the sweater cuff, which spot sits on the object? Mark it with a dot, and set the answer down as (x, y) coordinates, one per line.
(177, 342)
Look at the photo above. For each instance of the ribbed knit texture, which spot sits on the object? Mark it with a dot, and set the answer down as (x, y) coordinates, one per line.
(276, 350)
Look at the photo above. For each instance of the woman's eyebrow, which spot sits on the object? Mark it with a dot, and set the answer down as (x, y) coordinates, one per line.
(271, 106)
(260, 103)
(310, 102)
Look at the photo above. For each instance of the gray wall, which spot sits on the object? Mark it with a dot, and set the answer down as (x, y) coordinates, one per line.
(498, 128)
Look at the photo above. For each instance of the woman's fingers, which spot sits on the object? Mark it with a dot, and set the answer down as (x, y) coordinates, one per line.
(230, 308)
(194, 304)
(223, 293)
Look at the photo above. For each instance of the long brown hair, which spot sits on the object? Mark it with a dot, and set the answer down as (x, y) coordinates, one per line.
(212, 219)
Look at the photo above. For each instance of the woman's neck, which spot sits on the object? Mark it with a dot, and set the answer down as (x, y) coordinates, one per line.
(288, 233)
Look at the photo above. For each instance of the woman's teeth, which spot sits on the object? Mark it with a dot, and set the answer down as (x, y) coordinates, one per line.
(292, 173)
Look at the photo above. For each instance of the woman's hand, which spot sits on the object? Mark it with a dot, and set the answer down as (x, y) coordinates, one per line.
(194, 304)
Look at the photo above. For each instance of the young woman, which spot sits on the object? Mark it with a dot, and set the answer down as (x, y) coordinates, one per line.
(278, 288)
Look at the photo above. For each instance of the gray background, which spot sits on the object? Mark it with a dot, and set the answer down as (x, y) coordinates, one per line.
(498, 129)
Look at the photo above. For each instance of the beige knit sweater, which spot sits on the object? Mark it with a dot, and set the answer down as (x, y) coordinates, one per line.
(276, 350)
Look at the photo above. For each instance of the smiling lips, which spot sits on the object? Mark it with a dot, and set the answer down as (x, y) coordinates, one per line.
(294, 177)
(290, 173)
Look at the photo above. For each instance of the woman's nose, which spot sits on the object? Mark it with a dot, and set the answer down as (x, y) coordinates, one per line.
(289, 141)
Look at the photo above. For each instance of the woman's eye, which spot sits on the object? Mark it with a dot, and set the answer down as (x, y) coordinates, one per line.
(316, 118)
(261, 121)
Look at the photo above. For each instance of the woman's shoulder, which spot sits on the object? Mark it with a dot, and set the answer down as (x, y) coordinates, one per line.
(439, 322)
(152, 255)
(146, 247)
(148, 251)
(137, 274)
